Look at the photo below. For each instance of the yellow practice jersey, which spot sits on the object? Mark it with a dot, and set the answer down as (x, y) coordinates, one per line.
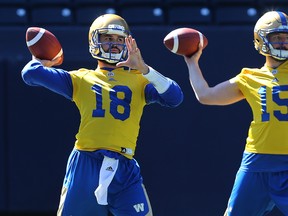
(266, 90)
(111, 105)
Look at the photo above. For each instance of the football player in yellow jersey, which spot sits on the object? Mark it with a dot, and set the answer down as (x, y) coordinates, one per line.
(102, 176)
(262, 179)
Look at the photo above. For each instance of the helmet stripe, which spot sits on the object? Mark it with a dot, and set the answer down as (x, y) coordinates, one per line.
(283, 18)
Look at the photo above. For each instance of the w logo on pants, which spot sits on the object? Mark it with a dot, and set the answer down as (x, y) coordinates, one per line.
(139, 207)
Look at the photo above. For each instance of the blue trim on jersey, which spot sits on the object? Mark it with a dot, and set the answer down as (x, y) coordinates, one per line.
(59, 81)
(172, 97)
(252, 162)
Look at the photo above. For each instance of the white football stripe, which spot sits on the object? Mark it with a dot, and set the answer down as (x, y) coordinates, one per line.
(36, 38)
(175, 44)
(201, 38)
(58, 55)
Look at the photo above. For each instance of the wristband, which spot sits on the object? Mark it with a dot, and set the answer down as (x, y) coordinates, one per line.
(160, 82)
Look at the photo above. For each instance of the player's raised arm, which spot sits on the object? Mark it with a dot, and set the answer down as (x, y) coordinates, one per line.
(190, 43)
(224, 93)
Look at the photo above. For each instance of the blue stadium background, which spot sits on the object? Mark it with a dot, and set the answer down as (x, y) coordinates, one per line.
(189, 155)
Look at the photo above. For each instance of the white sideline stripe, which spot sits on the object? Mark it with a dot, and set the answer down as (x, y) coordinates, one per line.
(58, 55)
(36, 38)
(175, 44)
(201, 38)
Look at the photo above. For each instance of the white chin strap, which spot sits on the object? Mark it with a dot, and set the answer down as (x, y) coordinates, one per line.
(111, 57)
(278, 54)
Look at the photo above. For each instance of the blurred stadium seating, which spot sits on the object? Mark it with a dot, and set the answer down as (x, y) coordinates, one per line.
(138, 12)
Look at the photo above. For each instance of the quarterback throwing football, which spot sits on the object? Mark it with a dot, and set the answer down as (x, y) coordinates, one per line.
(262, 179)
(102, 176)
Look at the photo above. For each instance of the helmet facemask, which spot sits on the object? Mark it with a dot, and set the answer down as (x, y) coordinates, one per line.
(267, 47)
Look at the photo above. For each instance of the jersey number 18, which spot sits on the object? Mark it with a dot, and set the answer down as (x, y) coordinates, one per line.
(115, 101)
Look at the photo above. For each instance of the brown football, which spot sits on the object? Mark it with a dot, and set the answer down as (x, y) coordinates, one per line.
(43, 44)
(184, 41)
